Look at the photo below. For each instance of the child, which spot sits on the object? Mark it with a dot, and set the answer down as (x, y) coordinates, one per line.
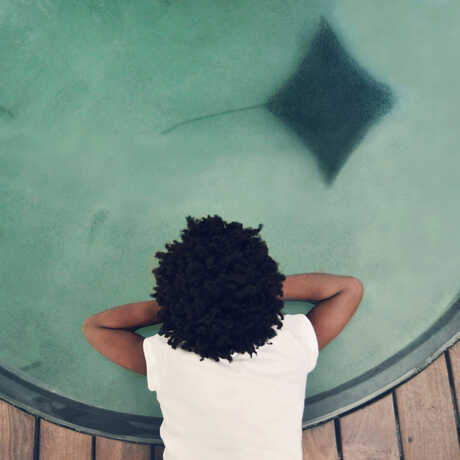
(218, 296)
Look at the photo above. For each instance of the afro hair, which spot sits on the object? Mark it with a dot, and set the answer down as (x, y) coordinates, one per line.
(218, 289)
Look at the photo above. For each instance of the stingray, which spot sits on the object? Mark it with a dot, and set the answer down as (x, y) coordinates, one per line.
(330, 102)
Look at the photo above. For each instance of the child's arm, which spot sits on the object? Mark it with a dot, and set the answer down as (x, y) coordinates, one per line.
(336, 297)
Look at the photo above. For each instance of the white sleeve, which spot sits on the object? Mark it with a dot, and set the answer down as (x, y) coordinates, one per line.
(151, 364)
(311, 341)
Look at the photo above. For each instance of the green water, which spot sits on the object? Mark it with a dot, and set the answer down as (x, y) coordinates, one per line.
(90, 188)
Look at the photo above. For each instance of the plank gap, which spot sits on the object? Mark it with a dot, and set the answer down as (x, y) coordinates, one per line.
(398, 426)
(450, 376)
(338, 437)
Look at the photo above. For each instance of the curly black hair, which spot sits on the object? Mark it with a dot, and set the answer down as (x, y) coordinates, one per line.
(218, 289)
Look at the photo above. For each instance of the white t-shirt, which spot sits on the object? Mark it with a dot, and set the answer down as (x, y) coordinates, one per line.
(248, 409)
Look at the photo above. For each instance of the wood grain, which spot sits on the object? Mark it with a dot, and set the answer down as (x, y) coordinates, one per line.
(17, 430)
(426, 415)
(61, 443)
(318, 443)
(371, 432)
(112, 449)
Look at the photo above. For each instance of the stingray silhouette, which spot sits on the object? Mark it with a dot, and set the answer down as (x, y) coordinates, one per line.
(330, 102)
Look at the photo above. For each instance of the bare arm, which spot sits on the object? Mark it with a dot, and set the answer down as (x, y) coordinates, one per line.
(336, 299)
(313, 287)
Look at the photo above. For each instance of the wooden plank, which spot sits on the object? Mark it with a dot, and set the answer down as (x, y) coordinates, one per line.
(318, 443)
(113, 449)
(371, 432)
(426, 415)
(17, 431)
(62, 443)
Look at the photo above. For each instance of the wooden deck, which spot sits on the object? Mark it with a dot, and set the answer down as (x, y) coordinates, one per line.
(417, 420)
